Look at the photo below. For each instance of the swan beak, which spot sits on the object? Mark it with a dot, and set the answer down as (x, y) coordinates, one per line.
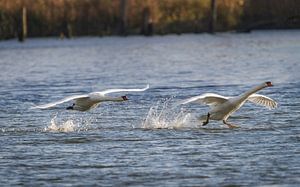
(125, 98)
(269, 84)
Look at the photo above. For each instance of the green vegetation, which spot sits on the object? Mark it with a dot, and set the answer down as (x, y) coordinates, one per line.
(111, 17)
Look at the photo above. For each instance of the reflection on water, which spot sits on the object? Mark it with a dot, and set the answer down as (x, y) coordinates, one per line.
(148, 140)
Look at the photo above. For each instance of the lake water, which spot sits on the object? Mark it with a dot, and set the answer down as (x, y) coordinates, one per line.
(147, 141)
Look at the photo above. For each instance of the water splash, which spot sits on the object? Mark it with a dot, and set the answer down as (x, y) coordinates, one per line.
(165, 116)
(69, 125)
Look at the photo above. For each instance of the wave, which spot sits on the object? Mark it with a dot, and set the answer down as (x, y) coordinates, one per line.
(165, 116)
(68, 125)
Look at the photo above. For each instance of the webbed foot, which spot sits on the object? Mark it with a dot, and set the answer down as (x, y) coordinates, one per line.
(71, 107)
(231, 126)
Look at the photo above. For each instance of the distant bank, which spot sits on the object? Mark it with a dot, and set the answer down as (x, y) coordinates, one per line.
(68, 18)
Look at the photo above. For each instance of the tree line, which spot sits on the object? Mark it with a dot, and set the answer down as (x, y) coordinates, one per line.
(66, 18)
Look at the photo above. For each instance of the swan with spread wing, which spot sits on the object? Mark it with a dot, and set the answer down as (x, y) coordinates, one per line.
(86, 102)
(222, 107)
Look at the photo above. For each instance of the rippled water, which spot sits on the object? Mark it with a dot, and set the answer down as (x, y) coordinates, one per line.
(147, 140)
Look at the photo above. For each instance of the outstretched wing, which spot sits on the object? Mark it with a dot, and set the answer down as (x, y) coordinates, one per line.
(210, 99)
(49, 105)
(262, 101)
(123, 90)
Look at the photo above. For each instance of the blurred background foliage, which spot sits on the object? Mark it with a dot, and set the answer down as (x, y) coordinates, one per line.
(113, 17)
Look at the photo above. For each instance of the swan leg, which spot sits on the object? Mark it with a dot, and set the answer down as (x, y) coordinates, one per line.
(230, 125)
(207, 120)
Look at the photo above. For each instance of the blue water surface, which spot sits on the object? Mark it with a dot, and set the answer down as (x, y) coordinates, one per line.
(147, 141)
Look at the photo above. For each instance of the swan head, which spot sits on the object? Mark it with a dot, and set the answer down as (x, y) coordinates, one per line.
(124, 98)
(268, 84)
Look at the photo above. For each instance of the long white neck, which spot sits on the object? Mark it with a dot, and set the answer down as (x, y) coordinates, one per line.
(252, 91)
(116, 99)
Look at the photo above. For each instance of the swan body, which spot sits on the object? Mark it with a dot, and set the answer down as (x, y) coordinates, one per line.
(222, 107)
(89, 101)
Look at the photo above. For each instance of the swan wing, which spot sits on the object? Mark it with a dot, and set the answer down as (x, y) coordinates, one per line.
(49, 105)
(210, 99)
(262, 101)
(123, 90)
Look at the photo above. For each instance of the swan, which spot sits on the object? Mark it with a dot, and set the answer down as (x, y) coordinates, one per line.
(222, 107)
(92, 100)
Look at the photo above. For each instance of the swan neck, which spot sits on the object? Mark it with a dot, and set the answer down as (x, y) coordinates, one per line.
(112, 99)
(252, 91)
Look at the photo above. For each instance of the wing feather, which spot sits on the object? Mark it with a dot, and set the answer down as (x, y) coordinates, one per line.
(210, 99)
(123, 90)
(49, 105)
(262, 100)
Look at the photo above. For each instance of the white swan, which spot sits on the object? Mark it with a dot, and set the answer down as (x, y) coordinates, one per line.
(222, 107)
(91, 100)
